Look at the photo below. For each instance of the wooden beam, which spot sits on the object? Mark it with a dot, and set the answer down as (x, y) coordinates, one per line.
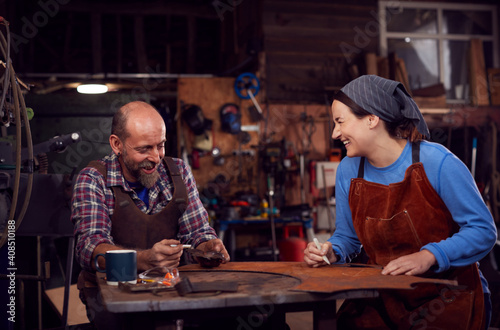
(345, 8)
(96, 28)
(371, 63)
(168, 50)
(67, 43)
(311, 45)
(326, 20)
(294, 32)
(477, 74)
(140, 46)
(191, 44)
(457, 116)
(261, 74)
(119, 44)
(54, 56)
(156, 8)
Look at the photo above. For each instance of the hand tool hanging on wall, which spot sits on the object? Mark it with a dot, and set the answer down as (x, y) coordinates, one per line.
(247, 86)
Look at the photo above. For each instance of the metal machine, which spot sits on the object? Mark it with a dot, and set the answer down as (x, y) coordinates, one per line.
(23, 175)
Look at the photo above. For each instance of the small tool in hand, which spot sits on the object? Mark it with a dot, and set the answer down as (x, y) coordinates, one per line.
(184, 246)
(319, 248)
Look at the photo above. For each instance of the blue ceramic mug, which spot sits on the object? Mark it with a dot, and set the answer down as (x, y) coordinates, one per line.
(121, 266)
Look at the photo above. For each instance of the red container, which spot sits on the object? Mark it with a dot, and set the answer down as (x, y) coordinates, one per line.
(292, 248)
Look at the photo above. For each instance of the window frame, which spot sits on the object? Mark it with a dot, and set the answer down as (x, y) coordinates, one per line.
(439, 36)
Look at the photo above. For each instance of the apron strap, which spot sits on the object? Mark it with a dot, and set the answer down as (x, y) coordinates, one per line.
(180, 195)
(415, 152)
(361, 169)
(415, 158)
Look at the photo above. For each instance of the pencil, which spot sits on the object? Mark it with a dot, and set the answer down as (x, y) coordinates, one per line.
(319, 248)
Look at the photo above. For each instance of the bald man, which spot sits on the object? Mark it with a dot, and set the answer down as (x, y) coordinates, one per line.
(136, 198)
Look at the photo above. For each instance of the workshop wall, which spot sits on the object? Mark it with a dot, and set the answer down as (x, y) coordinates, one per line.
(302, 44)
(233, 171)
(306, 130)
(303, 129)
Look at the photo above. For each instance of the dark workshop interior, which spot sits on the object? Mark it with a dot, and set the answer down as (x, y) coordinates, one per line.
(266, 175)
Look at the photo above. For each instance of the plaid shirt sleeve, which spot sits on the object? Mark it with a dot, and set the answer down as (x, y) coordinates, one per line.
(90, 215)
(193, 225)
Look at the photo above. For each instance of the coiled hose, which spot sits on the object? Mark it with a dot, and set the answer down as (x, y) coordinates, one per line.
(19, 110)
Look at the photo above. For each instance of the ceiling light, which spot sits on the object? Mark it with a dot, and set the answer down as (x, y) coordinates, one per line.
(92, 89)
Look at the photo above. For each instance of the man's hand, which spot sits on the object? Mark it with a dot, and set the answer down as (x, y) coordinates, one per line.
(215, 245)
(101, 249)
(162, 254)
(411, 264)
(314, 257)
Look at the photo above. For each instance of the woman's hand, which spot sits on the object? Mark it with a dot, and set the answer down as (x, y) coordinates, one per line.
(314, 257)
(411, 264)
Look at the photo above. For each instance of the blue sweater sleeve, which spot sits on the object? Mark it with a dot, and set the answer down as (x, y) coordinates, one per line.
(344, 241)
(477, 235)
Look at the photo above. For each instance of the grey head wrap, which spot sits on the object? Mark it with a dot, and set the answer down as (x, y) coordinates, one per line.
(387, 99)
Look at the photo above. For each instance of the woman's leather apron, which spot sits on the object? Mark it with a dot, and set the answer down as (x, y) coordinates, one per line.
(396, 220)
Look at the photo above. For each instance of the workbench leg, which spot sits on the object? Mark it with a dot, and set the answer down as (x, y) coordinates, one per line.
(324, 316)
(277, 321)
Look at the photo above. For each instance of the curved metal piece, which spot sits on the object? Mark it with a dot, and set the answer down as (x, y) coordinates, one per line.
(331, 279)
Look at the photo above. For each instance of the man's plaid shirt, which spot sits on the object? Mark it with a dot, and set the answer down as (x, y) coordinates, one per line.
(93, 205)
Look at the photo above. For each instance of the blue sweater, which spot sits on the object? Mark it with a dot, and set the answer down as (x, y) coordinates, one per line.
(452, 181)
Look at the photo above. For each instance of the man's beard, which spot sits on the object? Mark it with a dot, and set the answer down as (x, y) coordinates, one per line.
(147, 180)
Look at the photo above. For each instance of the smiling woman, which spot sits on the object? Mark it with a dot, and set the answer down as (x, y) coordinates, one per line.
(351, 129)
(390, 113)
(409, 203)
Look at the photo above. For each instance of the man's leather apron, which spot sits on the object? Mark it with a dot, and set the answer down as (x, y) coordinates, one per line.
(396, 220)
(131, 228)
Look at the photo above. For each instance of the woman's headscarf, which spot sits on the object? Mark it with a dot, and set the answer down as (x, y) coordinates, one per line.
(387, 99)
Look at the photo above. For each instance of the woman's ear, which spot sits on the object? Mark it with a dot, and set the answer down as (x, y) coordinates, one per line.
(116, 144)
(373, 121)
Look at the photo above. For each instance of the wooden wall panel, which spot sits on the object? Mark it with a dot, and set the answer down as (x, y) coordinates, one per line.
(305, 44)
(210, 94)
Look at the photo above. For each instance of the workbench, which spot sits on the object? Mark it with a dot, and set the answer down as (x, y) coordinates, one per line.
(269, 288)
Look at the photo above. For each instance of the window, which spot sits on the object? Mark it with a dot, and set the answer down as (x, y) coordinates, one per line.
(433, 40)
